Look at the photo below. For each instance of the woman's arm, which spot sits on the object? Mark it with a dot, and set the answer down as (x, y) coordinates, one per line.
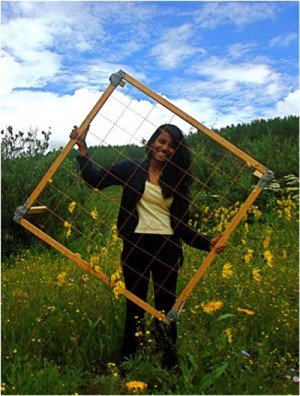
(97, 176)
(180, 219)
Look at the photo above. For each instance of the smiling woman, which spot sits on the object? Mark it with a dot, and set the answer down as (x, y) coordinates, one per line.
(152, 221)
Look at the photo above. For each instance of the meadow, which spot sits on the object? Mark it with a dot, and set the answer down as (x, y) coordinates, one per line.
(238, 333)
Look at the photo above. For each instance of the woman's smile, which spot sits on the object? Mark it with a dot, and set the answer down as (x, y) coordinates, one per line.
(163, 147)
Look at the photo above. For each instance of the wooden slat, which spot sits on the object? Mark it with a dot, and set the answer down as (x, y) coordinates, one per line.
(37, 209)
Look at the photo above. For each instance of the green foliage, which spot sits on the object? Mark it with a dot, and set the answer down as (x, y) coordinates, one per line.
(62, 328)
(25, 160)
(274, 143)
(16, 145)
(23, 163)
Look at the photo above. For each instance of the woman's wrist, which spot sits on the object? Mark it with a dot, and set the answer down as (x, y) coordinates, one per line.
(82, 148)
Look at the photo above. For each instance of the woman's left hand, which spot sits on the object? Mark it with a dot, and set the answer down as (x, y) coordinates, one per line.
(217, 249)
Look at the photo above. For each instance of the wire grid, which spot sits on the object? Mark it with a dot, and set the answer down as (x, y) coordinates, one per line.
(87, 226)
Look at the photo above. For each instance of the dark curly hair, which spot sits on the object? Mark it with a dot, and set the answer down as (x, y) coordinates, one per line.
(176, 176)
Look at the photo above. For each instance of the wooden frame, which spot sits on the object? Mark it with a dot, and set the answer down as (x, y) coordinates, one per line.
(115, 80)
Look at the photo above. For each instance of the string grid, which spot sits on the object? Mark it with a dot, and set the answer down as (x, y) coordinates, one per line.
(82, 218)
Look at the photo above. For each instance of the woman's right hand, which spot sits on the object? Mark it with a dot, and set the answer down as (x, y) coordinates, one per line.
(81, 142)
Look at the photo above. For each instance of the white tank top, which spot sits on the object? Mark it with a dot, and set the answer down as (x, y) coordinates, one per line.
(154, 212)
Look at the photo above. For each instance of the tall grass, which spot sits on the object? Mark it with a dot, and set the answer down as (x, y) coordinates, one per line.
(238, 333)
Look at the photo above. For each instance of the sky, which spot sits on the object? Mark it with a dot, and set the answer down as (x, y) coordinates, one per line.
(222, 62)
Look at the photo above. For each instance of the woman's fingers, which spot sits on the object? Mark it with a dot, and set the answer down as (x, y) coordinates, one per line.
(217, 249)
(74, 134)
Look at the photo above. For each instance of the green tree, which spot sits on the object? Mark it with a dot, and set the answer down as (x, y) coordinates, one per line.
(23, 163)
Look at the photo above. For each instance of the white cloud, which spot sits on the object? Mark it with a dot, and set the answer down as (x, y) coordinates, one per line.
(174, 47)
(238, 50)
(219, 69)
(283, 40)
(290, 104)
(214, 14)
(34, 72)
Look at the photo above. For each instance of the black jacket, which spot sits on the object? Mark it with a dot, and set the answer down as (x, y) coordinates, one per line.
(132, 176)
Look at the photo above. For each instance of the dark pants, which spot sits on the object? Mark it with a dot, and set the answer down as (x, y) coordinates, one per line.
(142, 256)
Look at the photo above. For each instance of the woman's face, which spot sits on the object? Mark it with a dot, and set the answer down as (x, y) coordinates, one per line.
(163, 147)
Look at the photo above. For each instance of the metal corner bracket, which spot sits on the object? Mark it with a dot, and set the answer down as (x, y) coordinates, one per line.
(266, 179)
(116, 78)
(20, 212)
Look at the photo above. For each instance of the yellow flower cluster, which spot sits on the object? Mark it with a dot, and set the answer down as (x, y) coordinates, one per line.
(136, 386)
(229, 335)
(268, 256)
(288, 208)
(94, 261)
(72, 207)
(60, 279)
(94, 213)
(68, 226)
(116, 275)
(246, 311)
(256, 275)
(118, 288)
(266, 242)
(85, 277)
(212, 306)
(249, 256)
(255, 211)
(227, 272)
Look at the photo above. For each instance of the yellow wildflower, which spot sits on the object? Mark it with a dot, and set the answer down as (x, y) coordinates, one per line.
(72, 207)
(68, 233)
(136, 386)
(89, 248)
(248, 256)
(94, 260)
(246, 311)
(104, 251)
(61, 278)
(68, 226)
(116, 275)
(229, 335)
(256, 275)
(85, 277)
(212, 306)
(227, 271)
(266, 242)
(268, 256)
(94, 213)
(118, 289)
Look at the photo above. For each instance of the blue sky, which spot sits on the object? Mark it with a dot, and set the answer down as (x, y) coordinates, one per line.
(222, 62)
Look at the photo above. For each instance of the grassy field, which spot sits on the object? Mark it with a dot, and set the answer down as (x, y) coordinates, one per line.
(238, 334)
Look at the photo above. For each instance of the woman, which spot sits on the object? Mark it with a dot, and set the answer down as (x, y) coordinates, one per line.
(152, 221)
